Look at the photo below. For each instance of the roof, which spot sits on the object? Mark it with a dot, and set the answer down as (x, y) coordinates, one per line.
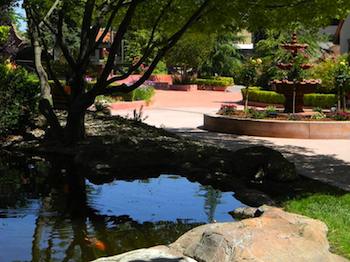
(107, 38)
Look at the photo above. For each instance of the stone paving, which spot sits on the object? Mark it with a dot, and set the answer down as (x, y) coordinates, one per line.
(182, 112)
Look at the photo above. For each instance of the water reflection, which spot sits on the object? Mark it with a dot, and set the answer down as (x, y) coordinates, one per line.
(49, 212)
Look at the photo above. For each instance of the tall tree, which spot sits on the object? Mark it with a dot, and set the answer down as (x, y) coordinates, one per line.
(169, 18)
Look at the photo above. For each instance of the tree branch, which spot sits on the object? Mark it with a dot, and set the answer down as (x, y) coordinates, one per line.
(58, 35)
(115, 46)
(161, 53)
(85, 29)
(93, 44)
(148, 51)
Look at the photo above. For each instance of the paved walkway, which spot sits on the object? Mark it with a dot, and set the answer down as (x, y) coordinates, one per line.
(182, 112)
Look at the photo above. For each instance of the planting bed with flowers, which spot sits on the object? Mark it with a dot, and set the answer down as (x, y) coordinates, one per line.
(271, 112)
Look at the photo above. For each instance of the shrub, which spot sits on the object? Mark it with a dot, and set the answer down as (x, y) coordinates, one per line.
(141, 93)
(271, 111)
(326, 72)
(161, 69)
(257, 95)
(271, 97)
(221, 78)
(218, 81)
(320, 100)
(144, 93)
(341, 116)
(318, 116)
(18, 98)
(255, 114)
(227, 109)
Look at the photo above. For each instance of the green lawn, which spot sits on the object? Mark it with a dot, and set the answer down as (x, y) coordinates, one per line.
(334, 210)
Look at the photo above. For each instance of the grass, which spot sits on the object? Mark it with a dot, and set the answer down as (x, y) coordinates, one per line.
(333, 210)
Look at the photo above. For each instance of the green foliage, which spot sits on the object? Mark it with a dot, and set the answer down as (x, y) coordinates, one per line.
(342, 75)
(255, 114)
(224, 59)
(271, 110)
(317, 109)
(332, 210)
(250, 72)
(342, 82)
(271, 97)
(136, 43)
(161, 69)
(341, 116)
(318, 116)
(144, 93)
(18, 98)
(325, 71)
(216, 81)
(227, 109)
(189, 54)
(320, 100)
(4, 32)
(257, 95)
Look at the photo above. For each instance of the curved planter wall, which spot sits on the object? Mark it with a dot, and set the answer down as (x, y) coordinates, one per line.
(278, 128)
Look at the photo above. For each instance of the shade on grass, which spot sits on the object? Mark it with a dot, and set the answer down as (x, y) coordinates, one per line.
(332, 210)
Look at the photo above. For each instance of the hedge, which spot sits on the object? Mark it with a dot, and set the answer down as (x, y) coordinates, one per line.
(271, 97)
(320, 100)
(262, 96)
(216, 81)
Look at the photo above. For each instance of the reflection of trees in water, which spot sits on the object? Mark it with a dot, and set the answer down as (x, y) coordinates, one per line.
(212, 199)
(67, 228)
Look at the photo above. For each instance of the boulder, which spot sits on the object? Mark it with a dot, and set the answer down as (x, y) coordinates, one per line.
(154, 254)
(246, 212)
(259, 163)
(274, 236)
(253, 198)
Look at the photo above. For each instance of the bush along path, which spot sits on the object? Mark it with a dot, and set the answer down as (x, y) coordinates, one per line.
(118, 148)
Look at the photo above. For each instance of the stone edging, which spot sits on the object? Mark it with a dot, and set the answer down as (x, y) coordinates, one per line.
(278, 128)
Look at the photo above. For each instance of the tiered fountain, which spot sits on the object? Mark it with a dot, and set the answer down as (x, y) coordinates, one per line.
(293, 88)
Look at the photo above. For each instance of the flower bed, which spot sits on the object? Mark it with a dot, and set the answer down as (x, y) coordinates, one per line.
(272, 113)
(271, 123)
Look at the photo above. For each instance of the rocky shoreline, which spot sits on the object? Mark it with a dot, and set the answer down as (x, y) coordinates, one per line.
(117, 148)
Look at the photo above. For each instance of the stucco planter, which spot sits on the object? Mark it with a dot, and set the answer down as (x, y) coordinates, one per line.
(188, 87)
(161, 85)
(162, 79)
(278, 128)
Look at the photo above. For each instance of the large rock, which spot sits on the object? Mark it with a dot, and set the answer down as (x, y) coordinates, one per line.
(154, 254)
(259, 163)
(275, 236)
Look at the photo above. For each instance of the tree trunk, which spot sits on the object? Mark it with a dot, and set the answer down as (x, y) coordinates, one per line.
(75, 127)
(45, 90)
(246, 102)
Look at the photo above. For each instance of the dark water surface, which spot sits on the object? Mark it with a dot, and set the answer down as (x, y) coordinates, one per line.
(49, 214)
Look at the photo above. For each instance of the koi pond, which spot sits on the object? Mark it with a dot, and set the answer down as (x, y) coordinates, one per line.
(52, 215)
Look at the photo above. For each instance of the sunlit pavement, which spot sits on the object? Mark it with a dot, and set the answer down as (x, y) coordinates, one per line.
(182, 112)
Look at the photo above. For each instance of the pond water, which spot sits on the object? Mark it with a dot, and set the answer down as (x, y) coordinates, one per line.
(50, 217)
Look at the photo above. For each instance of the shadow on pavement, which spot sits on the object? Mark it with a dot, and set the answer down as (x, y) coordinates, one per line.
(325, 168)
